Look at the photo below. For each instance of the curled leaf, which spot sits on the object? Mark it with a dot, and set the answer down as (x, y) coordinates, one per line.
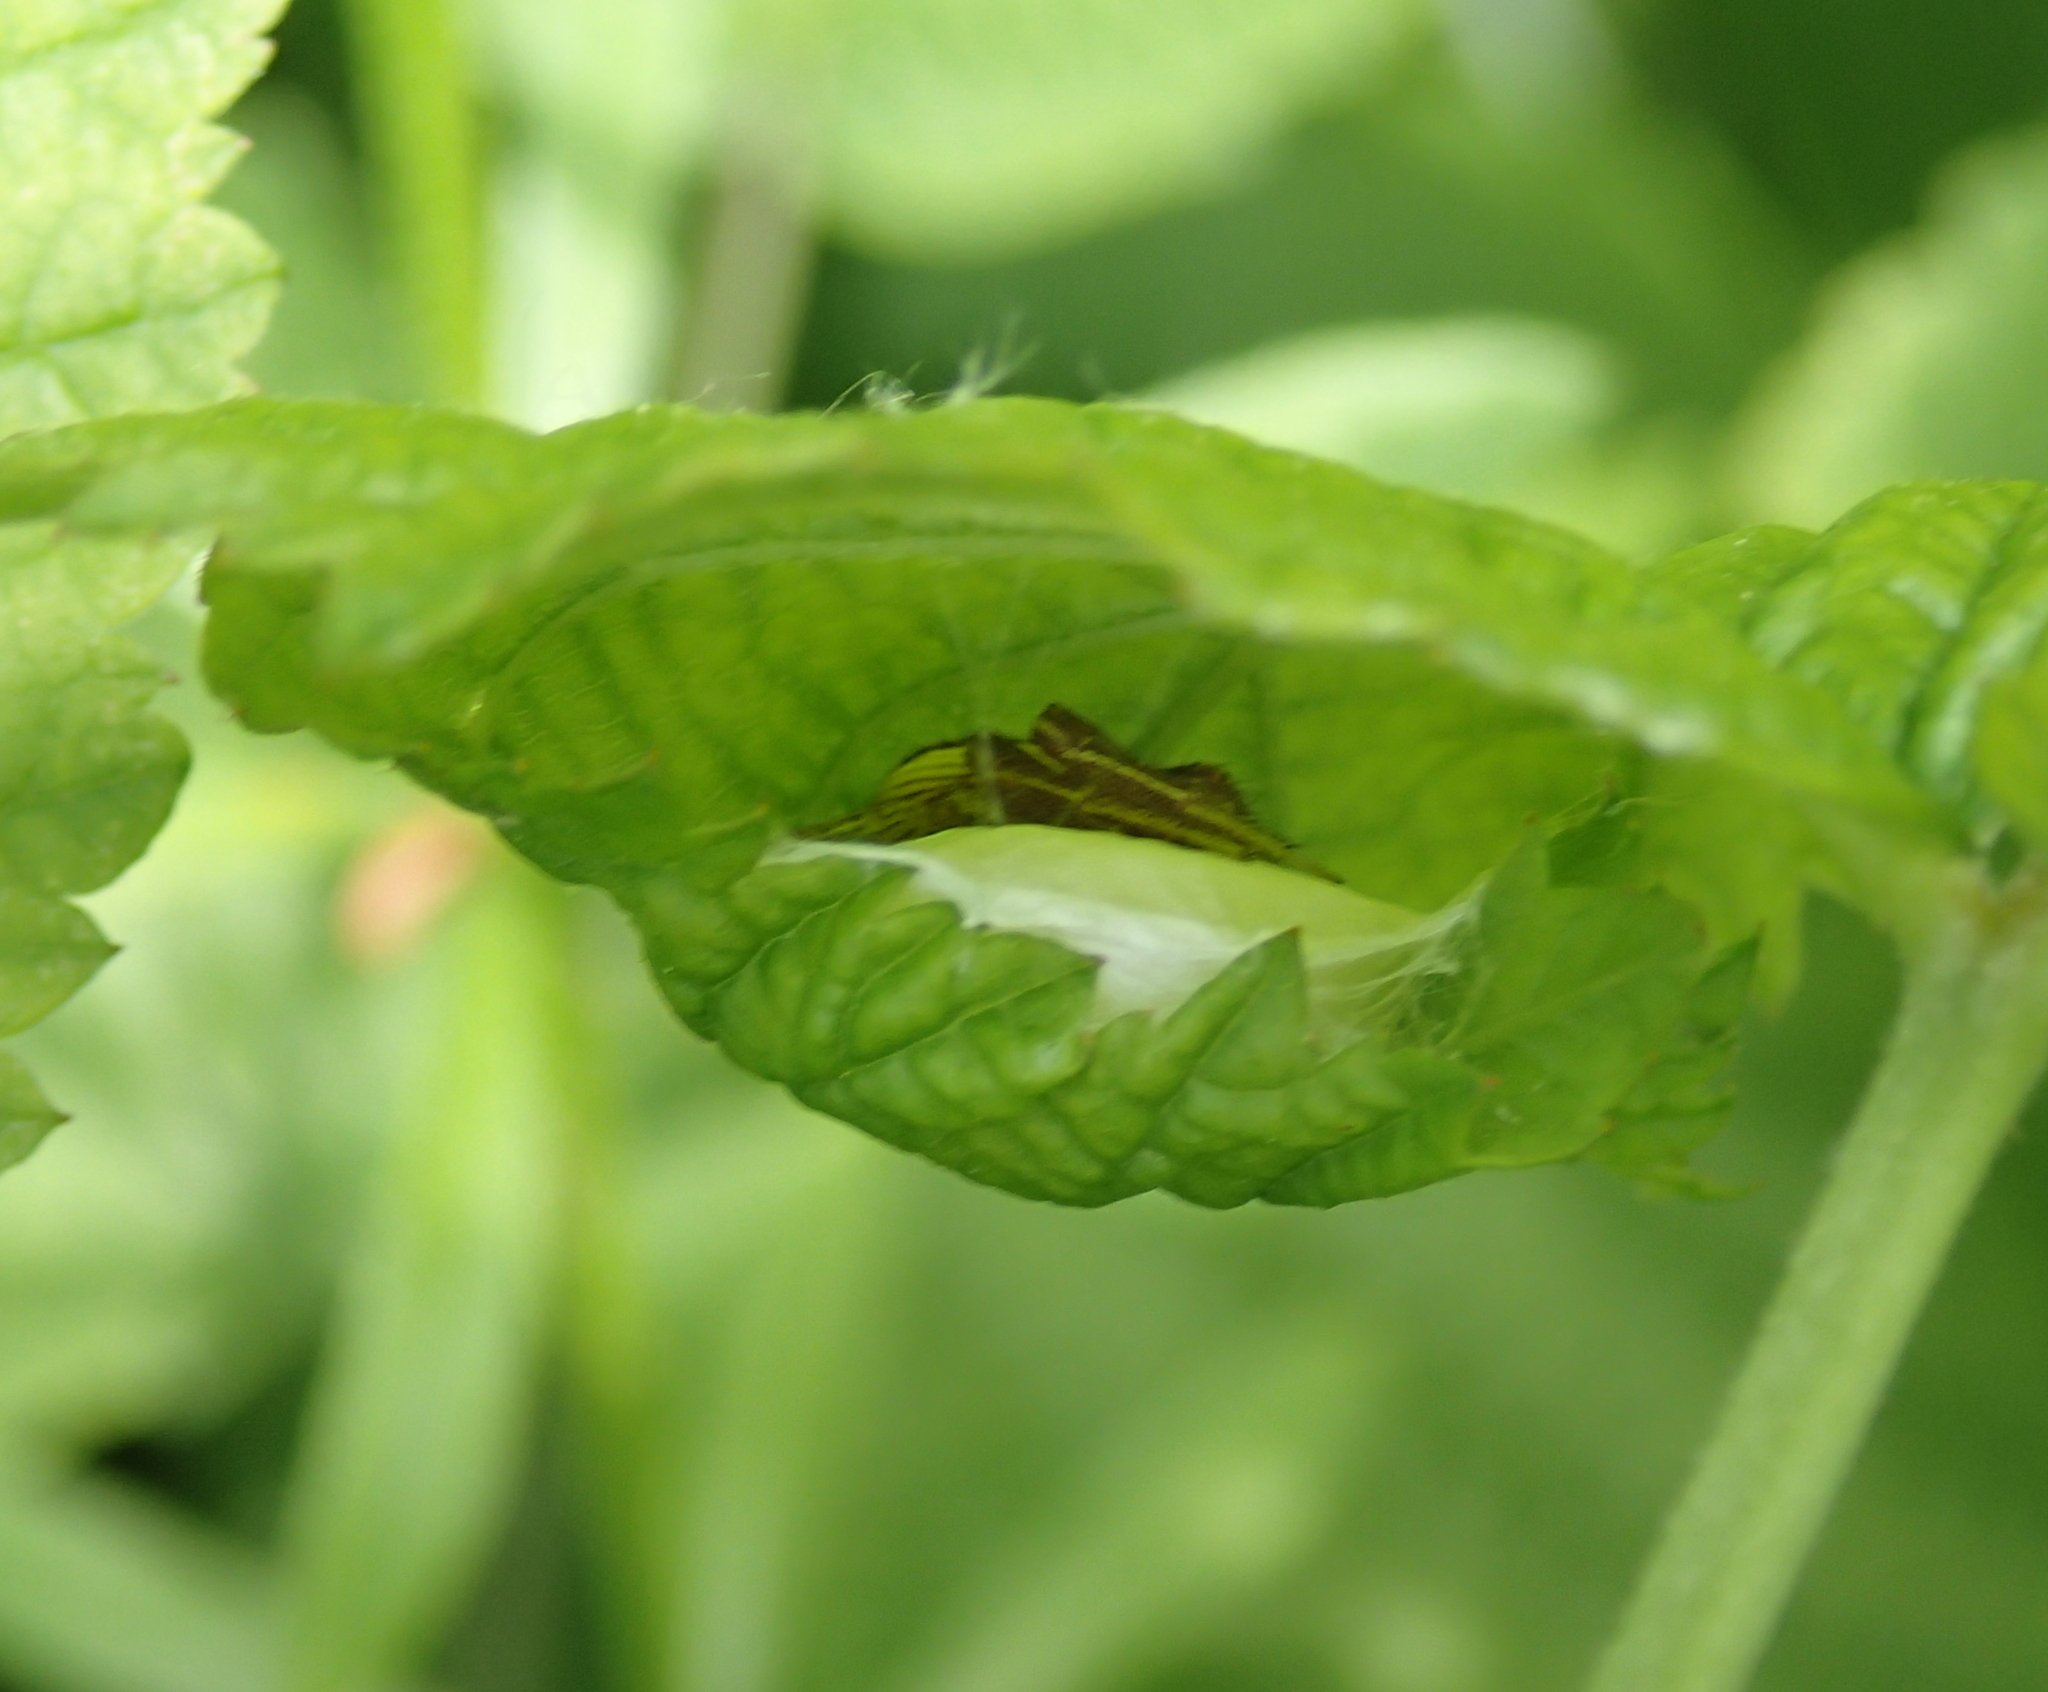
(712, 664)
(1239, 1032)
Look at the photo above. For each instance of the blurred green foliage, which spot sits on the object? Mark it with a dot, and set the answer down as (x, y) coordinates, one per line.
(450, 1321)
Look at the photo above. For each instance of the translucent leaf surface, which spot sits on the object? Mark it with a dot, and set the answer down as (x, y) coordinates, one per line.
(25, 1115)
(1906, 611)
(2012, 750)
(48, 950)
(119, 291)
(650, 648)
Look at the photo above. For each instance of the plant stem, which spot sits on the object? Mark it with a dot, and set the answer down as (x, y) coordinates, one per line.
(754, 261)
(615, 1347)
(421, 1415)
(421, 133)
(1969, 1041)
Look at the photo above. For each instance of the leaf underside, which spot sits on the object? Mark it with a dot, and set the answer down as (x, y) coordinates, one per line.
(650, 647)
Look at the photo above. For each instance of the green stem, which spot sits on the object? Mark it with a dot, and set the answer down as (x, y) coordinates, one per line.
(421, 133)
(420, 1420)
(754, 262)
(1969, 1042)
(615, 1346)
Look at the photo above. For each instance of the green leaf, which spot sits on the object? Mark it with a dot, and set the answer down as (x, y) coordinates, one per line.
(1927, 356)
(653, 647)
(87, 774)
(48, 950)
(2012, 750)
(1684, 1096)
(26, 1117)
(1091, 528)
(119, 291)
(987, 1049)
(1573, 992)
(1561, 1004)
(1906, 612)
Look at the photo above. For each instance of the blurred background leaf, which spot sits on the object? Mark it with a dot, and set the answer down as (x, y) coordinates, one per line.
(1470, 406)
(1508, 411)
(1927, 357)
(804, 1414)
(942, 130)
